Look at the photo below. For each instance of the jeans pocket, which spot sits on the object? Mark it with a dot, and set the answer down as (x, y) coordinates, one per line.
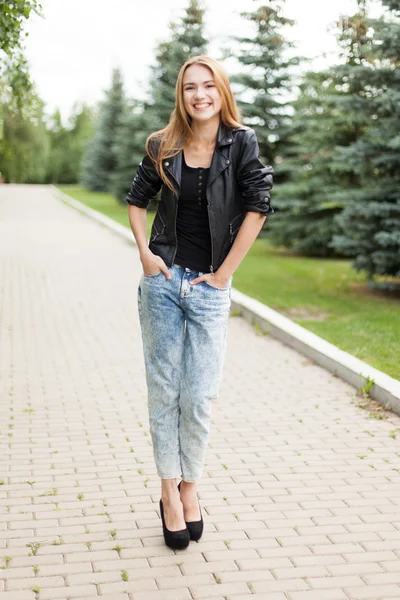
(152, 276)
(224, 289)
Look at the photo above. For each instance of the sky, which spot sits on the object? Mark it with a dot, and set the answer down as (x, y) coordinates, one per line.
(73, 49)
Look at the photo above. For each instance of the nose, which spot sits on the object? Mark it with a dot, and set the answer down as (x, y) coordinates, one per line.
(199, 95)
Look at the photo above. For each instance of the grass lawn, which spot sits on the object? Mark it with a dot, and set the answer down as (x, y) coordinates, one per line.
(323, 295)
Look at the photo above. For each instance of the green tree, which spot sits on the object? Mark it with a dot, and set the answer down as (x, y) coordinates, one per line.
(13, 14)
(24, 143)
(186, 39)
(59, 149)
(81, 128)
(370, 221)
(326, 117)
(13, 65)
(67, 144)
(139, 119)
(15, 83)
(134, 128)
(100, 160)
(267, 79)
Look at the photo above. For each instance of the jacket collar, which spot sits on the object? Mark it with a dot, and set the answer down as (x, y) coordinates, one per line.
(224, 138)
(224, 135)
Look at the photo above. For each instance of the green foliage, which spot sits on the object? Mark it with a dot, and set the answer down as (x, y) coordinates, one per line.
(24, 144)
(370, 222)
(67, 144)
(365, 390)
(266, 77)
(133, 129)
(13, 14)
(186, 39)
(36, 149)
(139, 119)
(318, 180)
(100, 159)
(13, 65)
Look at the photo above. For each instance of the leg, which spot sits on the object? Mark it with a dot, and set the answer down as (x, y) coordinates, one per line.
(162, 324)
(207, 313)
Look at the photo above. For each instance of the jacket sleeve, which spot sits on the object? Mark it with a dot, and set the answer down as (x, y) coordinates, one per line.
(145, 185)
(254, 179)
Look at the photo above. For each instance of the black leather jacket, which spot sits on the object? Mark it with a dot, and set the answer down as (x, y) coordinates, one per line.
(237, 183)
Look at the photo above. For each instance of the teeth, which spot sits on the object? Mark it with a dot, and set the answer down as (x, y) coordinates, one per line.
(201, 105)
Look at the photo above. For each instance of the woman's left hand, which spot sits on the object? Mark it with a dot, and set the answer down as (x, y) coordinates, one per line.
(213, 279)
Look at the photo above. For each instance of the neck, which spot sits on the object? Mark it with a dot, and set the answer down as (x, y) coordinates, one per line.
(205, 132)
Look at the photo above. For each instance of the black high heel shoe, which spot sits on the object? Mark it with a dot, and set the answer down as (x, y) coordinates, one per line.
(178, 540)
(195, 528)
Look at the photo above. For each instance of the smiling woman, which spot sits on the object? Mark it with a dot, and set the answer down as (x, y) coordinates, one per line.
(214, 201)
(198, 95)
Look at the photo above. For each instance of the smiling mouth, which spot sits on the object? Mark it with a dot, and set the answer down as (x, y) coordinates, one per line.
(201, 106)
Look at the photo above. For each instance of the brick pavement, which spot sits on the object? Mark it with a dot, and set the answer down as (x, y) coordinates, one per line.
(301, 489)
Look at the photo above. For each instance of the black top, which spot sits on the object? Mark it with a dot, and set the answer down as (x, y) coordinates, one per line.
(192, 224)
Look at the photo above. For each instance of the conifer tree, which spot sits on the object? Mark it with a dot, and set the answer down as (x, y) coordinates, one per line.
(100, 160)
(139, 119)
(370, 222)
(266, 79)
(186, 40)
(326, 117)
(134, 128)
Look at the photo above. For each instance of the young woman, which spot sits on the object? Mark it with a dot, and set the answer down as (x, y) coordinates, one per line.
(214, 201)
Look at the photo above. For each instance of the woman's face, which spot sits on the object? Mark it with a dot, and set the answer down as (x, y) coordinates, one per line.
(201, 98)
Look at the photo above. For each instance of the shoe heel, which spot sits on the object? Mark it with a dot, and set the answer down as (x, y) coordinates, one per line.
(178, 540)
(195, 528)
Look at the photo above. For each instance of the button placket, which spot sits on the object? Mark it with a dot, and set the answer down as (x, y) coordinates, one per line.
(199, 187)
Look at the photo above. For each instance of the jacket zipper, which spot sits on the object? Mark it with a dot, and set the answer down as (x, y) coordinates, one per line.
(209, 224)
(156, 232)
(176, 235)
(176, 215)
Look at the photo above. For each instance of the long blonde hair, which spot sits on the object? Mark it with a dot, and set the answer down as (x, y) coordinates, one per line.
(172, 137)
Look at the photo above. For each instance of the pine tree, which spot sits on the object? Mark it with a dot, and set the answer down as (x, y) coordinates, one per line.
(100, 160)
(186, 40)
(139, 119)
(266, 79)
(134, 128)
(370, 222)
(326, 117)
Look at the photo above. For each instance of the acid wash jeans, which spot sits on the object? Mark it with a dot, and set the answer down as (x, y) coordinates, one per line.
(184, 330)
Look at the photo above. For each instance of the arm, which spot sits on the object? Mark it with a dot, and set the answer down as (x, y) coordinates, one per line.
(146, 185)
(151, 263)
(247, 234)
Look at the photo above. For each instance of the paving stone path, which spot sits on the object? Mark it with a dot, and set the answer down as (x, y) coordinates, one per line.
(301, 490)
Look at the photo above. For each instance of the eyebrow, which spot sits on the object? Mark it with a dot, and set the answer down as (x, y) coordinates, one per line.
(191, 83)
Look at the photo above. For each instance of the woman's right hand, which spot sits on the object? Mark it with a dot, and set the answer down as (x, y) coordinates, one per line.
(153, 264)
